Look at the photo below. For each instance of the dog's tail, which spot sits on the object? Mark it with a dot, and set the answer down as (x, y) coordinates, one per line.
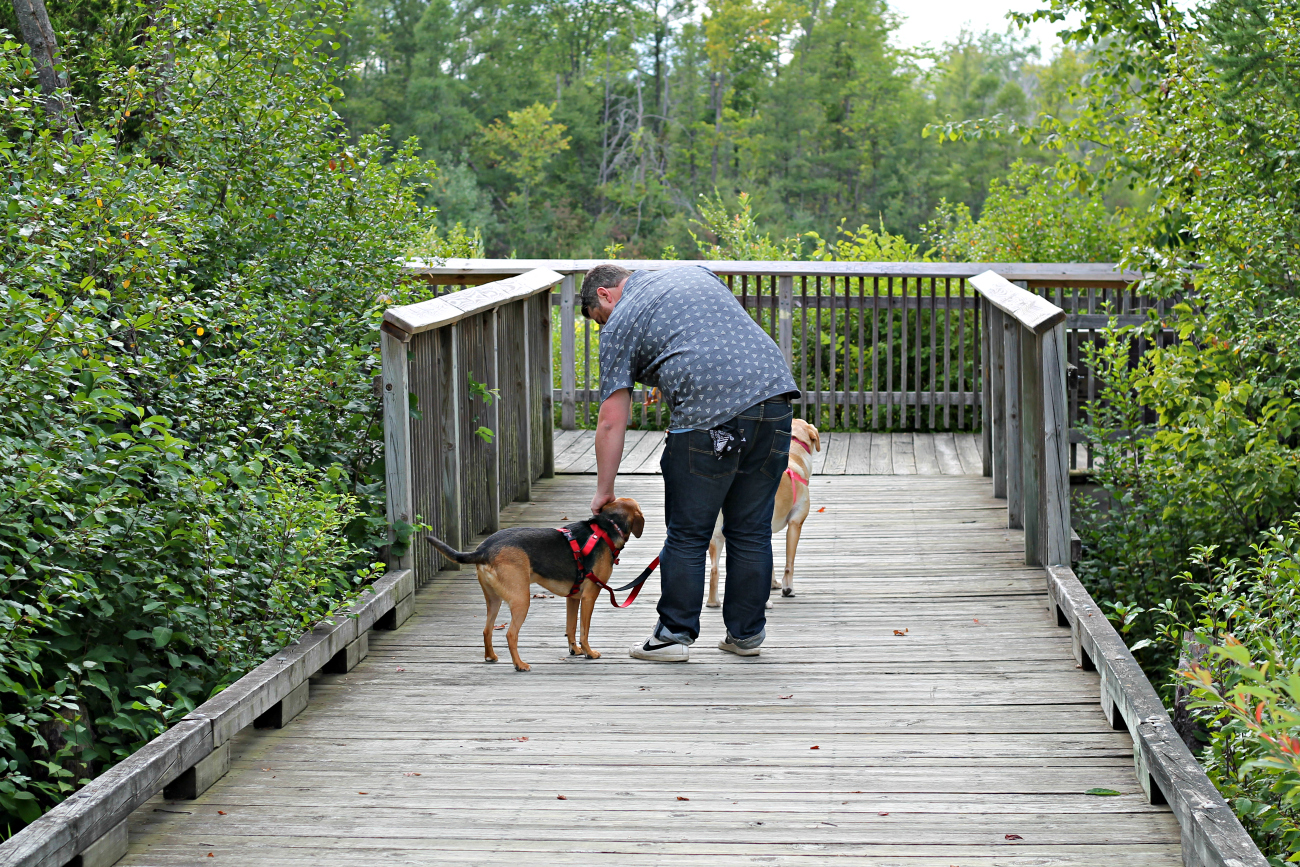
(452, 554)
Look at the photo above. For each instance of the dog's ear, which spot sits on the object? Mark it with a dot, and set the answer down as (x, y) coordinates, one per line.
(816, 437)
(638, 522)
(629, 511)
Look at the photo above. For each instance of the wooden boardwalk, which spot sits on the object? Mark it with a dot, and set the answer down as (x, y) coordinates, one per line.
(969, 739)
(851, 454)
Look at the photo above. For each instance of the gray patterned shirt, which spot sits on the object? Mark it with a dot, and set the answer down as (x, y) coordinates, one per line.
(682, 331)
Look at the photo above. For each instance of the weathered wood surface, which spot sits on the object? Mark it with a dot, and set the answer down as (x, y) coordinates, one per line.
(933, 746)
(842, 454)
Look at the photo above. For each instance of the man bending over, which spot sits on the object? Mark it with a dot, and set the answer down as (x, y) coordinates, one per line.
(728, 389)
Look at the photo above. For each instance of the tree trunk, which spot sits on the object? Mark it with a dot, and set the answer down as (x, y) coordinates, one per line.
(34, 22)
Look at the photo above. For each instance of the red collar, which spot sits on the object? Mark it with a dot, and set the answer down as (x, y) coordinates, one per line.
(792, 474)
(802, 443)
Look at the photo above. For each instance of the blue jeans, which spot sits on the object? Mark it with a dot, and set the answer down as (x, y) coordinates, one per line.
(742, 485)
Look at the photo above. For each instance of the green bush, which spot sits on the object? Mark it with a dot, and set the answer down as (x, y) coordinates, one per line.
(193, 268)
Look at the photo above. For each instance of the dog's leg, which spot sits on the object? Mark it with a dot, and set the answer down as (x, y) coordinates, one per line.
(493, 607)
(792, 531)
(590, 594)
(716, 545)
(518, 603)
(571, 624)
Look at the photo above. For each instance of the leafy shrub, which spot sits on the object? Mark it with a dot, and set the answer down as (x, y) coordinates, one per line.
(1246, 691)
(191, 277)
(1028, 217)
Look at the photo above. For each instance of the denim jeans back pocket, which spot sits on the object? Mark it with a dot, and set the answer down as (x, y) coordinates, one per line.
(779, 457)
(704, 463)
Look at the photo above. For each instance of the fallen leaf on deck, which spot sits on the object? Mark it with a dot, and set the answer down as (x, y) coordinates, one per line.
(899, 632)
(209, 854)
(499, 626)
(791, 695)
(977, 620)
(411, 774)
(363, 793)
(561, 798)
(822, 509)
(1104, 792)
(883, 814)
(814, 748)
(1014, 837)
(680, 798)
(524, 738)
(223, 812)
(401, 669)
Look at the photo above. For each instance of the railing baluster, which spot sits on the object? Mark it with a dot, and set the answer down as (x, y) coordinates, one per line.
(961, 362)
(934, 342)
(785, 307)
(568, 368)
(1011, 369)
(862, 351)
(803, 349)
(875, 352)
(947, 348)
(817, 358)
(834, 355)
(995, 416)
(397, 438)
(889, 352)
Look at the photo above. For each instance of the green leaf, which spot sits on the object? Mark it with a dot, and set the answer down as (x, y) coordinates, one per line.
(1102, 792)
(161, 635)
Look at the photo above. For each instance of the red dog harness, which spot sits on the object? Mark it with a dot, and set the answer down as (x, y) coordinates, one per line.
(581, 552)
(791, 473)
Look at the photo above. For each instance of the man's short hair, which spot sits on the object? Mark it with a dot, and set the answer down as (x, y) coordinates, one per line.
(607, 275)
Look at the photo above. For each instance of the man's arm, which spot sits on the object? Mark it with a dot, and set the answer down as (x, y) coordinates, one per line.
(611, 430)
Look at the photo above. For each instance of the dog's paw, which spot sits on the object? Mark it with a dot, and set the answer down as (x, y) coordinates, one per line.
(787, 592)
(769, 604)
(573, 651)
(592, 654)
(523, 666)
(713, 604)
(776, 585)
(491, 658)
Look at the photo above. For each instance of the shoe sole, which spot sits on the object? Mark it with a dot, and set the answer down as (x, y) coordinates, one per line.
(738, 651)
(637, 653)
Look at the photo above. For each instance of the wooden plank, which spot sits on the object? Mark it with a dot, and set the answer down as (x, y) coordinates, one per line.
(903, 455)
(945, 453)
(969, 453)
(447, 309)
(397, 439)
(923, 451)
(837, 455)
(859, 460)
(1032, 311)
(996, 413)
(1055, 502)
(568, 371)
(882, 454)
(1031, 444)
(645, 457)
(817, 460)
(1011, 335)
(1086, 273)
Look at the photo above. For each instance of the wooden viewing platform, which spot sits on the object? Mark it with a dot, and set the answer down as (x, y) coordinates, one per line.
(933, 746)
(941, 691)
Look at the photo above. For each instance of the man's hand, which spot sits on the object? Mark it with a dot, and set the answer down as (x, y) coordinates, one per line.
(611, 428)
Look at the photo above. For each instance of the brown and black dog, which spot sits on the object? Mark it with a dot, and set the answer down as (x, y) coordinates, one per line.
(510, 561)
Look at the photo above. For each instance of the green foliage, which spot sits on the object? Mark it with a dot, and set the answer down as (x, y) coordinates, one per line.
(1028, 217)
(1246, 691)
(807, 106)
(184, 283)
(736, 236)
(865, 244)
(459, 242)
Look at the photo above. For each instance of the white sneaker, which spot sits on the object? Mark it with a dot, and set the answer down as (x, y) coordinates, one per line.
(657, 651)
(725, 644)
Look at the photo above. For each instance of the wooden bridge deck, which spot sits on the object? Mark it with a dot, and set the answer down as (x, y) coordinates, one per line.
(968, 740)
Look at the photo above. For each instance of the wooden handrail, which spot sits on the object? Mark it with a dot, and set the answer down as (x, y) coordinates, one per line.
(1099, 273)
(448, 309)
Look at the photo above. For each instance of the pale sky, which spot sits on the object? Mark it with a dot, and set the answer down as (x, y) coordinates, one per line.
(939, 21)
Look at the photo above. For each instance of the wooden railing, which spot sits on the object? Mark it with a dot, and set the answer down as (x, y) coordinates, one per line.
(1025, 418)
(898, 340)
(467, 409)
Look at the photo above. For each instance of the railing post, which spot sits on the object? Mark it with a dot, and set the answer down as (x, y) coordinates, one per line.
(449, 434)
(1031, 448)
(494, 463)
(785, 318)
(548, 397)
(985, 316)
(568, 369)
(525, 337)
(397, 439)
(997, 374)
(1011, 368)
(1056, 445)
